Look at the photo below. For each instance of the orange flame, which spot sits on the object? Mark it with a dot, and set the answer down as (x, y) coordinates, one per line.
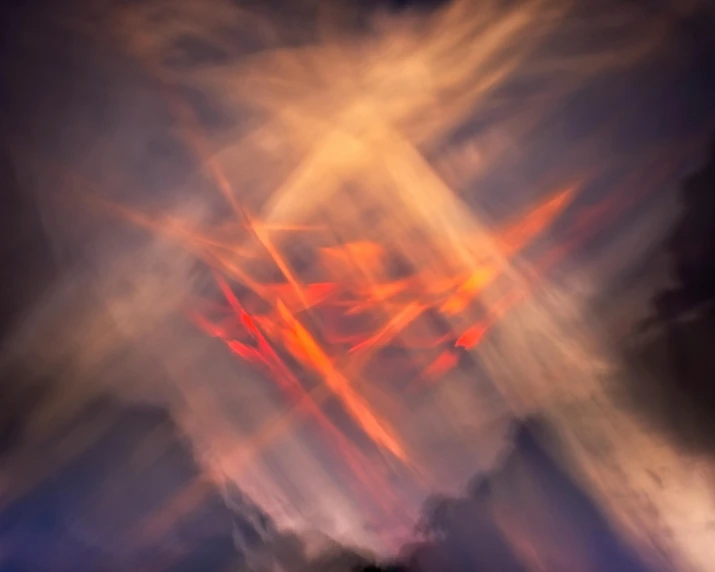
(417, 295)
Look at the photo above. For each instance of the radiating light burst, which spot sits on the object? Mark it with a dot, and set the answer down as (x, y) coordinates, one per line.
(392, 305)
(343, 237)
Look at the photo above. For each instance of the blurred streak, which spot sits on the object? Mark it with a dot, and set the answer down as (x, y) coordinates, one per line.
(380, 314)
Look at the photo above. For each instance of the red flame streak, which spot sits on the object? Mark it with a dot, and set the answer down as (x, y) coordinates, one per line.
(445, 362)
(402, 301)
(264, 355)
(306, 350)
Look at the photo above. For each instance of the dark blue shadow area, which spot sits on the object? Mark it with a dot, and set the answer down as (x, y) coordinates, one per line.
(465, 535)
(95, 512)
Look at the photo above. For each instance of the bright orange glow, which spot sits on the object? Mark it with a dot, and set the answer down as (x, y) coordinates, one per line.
(450, 297)
(520, 233)
(310, 353)
(402, 303)
(445, 362)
